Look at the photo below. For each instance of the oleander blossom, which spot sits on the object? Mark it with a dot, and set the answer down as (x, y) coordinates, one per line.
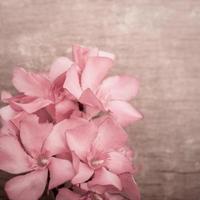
(31, 152)
(97, 96)
(63, 134)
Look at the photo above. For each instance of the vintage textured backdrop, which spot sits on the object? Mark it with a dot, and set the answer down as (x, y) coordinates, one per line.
(158, 41)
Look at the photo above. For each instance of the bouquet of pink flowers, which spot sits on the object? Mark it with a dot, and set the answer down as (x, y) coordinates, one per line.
(63, 135)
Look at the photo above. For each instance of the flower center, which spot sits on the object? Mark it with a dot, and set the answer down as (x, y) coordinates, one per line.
(42, 161)
(81, 107)
(96, 163)
(96, 159)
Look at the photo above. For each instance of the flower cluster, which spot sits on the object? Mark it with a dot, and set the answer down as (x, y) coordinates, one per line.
(62, 133)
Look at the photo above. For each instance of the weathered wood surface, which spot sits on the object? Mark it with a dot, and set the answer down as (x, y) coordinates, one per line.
(158, 41)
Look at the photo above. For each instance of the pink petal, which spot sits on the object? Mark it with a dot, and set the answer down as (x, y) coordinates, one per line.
(106, 55)
(72, 82)
(130, 188)
(5, 96)
(13, 158)
(60, 172)
(7, 113)
(118, 88)
(99, 120)
(30, 83)
(64, 109)
(9, 128)
(34, 105)
(81, 54)
(110, 136)
(88, 98)
(123, 112)
(51, 111)
(95, 70)
(18, 118)
(56, 141)
(93, 108)
(83, 172)
(75, 161)
(33, 134)
(80, 139)
(65, 194)
(59, 66)
(21, 98)
(118, 163)
(27, 187)
(105, 178)
(43, 115)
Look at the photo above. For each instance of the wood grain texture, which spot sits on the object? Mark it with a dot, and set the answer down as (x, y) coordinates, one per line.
(158, 41)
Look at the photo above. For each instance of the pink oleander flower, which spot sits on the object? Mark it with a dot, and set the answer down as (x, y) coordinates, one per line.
(33, 152)
(99, 155)
(84, 80)
(64, 128)
(39, 91)
(51, 96)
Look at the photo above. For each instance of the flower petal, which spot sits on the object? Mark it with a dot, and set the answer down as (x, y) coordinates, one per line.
(95, 70)
(80, 139)
(110, 136)
(13, 158)
(7, 113)
(34, 105)
(5, 95)
(83, 171)
(81, 54)
(118, 88)
(56, 141)
(29, 186)
(93, 108)
(123, 112)
(106, 55)
(18, 118)
(33, 134)
(64, 194)
(9, 129)
(105, 178)
(64, 109)
(72, 83)
(118, 163)
(83, 174)
(30, 83)
(88, 98)
(59, 66)
(43, 115)
(130, 188)
(60, 171)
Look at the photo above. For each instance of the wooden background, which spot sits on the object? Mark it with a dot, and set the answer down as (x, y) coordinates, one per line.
(158, 41)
